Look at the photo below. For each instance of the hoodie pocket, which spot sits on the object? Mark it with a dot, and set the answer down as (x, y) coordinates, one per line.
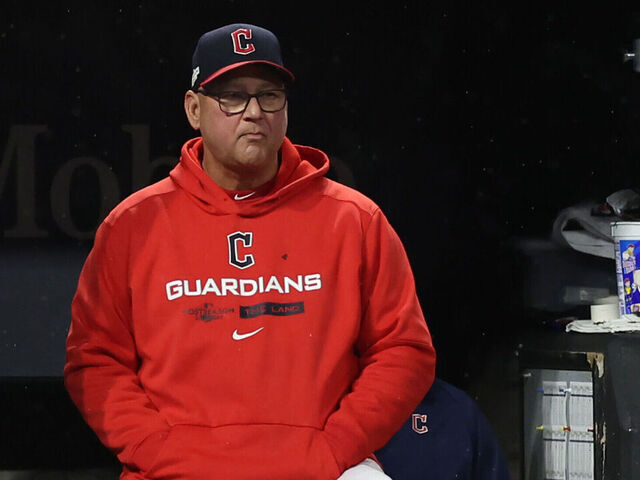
(245, 452)
(148, 452)
(329, 457)
(147, 472)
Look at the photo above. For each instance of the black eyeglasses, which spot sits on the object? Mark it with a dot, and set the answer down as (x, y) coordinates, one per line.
(270, 101)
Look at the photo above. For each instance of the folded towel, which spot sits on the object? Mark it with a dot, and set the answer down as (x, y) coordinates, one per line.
(629, 323)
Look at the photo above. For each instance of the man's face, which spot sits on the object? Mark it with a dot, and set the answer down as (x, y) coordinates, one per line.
(242, 144)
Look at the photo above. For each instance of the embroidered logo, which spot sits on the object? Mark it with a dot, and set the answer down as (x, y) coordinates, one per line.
(241, 44)
(236, 240)
(194, 75)
(418, 423)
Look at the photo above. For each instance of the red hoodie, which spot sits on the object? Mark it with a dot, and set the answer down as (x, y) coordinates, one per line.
(270, 338)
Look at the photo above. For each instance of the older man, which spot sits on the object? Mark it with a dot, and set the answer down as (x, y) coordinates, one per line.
(246, 318)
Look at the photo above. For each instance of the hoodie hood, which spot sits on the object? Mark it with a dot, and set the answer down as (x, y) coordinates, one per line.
(299, 166)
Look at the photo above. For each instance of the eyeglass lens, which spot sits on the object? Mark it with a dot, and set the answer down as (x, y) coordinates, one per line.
(235, 102)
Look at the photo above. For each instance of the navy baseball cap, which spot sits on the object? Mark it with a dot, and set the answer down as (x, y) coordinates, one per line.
(232, 46)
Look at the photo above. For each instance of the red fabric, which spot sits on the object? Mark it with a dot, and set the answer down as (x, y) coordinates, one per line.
(151, 360)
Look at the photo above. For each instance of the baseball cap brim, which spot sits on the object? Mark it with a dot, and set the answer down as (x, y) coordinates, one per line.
(286, 74)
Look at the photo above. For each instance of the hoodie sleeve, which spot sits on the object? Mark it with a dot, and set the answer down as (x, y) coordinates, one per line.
(101, 364)
(397, 358)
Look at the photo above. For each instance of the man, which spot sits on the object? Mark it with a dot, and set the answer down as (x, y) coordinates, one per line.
(246, 318)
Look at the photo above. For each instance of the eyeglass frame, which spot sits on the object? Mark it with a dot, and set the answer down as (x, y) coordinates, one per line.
(216, 97)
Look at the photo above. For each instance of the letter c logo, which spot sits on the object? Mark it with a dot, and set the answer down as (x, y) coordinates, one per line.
(234, 239)
(418, 423)
(241, 44)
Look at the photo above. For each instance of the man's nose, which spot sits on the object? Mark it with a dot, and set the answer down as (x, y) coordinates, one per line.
(253, 109)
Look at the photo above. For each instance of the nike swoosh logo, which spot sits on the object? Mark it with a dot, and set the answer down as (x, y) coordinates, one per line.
(242, 197)
(242, 336)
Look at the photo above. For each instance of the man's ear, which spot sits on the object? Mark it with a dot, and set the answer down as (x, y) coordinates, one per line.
(192, 109)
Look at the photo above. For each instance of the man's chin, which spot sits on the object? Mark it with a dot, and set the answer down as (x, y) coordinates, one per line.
(253, 163)
(255, 156)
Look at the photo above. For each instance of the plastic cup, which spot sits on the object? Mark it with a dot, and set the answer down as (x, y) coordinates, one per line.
(626, 237)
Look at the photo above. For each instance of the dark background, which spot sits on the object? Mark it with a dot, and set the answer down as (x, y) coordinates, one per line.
(472, 124)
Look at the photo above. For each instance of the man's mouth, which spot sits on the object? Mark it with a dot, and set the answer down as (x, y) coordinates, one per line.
(253, 135)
